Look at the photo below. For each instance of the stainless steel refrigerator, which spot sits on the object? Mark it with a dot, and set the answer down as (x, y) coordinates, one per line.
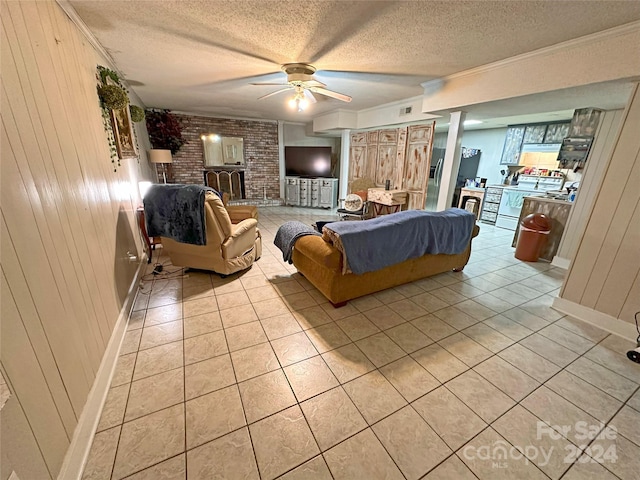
(468, 169)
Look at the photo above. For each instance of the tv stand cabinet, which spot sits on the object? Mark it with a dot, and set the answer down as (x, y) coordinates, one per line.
(311, 192)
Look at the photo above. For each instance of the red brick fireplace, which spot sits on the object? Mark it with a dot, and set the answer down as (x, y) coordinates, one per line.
(261, 169)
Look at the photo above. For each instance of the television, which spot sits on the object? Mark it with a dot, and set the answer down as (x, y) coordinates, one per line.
(307, 161)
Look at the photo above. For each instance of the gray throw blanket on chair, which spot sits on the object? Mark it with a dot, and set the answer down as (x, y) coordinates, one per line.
(176, 212)
(287, 235)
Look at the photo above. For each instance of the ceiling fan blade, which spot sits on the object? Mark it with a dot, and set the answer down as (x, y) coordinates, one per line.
(268, 83)
(314, 83)
(309, 96)
(329, 93)
(274, 93)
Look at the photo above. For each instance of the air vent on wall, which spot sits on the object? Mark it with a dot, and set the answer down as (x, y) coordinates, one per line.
(405, 111)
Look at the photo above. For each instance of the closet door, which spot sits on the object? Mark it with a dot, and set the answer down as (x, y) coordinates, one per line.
(358, 156)
(416, 164)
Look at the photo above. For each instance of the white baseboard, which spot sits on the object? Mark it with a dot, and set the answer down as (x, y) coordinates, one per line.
(78, 450)
(593, 317)
(560, 262)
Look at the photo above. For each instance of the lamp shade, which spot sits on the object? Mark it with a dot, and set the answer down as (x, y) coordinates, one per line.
(160, 156)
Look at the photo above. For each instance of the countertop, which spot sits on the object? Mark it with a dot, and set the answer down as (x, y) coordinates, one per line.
(549, 200)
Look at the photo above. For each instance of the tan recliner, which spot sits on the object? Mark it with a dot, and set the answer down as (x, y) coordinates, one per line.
(229, 249)
(237, 213)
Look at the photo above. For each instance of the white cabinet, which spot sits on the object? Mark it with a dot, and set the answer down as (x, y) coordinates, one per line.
(305, 190)
(311, 192)
(329, 192)
(292, 191)
(315, 192)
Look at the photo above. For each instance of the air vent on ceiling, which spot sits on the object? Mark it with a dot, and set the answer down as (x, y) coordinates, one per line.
(405, 111)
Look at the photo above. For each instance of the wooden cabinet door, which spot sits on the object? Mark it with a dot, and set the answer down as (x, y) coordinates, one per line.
(416, 164)
(512, 145)
(357, 162)
(386, 164)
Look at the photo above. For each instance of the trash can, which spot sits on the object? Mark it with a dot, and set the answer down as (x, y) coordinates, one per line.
(533, 233)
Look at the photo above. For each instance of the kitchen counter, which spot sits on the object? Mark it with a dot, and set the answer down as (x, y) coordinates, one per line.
(557, 210)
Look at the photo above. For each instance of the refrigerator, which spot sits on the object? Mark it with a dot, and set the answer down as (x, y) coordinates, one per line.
(468, 169)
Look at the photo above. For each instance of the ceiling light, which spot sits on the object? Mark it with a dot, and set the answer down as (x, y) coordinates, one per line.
(298, 101)
(472, 122)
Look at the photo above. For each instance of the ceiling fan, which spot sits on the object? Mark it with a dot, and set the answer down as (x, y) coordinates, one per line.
(300, 79)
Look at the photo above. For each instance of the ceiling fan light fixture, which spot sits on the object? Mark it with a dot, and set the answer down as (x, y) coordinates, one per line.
(298, 102)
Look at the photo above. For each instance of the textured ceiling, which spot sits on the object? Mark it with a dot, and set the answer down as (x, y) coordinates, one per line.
(201, 56)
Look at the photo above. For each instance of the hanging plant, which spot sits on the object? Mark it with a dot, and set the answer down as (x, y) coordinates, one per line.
(165, 131)
(137, 113)
(113, 97)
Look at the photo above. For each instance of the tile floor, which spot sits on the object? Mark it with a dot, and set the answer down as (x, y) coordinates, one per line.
(456, 376)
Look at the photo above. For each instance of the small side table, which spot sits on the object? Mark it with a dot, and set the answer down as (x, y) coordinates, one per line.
(149, 242)
(386, 201)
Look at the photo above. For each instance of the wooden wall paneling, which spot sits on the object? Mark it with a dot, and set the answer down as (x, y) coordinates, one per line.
(596, 243)
(19, 360)
(64, 339)
(80, 92)
(18, 447)
(27, 308)
(626, 265)
(44, 200)
(417, 163)
(632, 302)
(68, 127)
(76, 202)
(52, 214)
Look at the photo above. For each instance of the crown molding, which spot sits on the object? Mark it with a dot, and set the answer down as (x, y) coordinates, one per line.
(395, 103)
(78, 22)
(541, 52)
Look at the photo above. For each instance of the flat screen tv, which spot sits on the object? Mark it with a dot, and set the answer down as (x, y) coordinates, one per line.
(307, 161)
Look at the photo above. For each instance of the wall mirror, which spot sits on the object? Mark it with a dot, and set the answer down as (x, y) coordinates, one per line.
(222, 151)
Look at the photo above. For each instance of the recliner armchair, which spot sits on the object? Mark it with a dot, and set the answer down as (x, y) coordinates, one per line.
(230, 247)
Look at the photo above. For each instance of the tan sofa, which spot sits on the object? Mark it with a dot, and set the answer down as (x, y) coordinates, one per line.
(230, 247)
(321, 263)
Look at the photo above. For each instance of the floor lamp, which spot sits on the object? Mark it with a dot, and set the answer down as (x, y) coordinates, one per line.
(161, 156)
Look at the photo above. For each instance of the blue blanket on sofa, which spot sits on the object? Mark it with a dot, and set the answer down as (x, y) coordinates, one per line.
(370, 245)
(176, 212)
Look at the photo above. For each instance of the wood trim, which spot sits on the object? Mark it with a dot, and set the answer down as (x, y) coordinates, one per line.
(598, 319)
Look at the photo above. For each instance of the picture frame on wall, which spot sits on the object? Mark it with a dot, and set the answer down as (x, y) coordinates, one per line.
(123, 133)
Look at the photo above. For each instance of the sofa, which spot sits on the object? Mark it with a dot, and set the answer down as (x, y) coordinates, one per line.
(320, 262)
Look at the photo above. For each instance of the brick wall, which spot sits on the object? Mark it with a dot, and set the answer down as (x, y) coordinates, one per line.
(260, 152)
